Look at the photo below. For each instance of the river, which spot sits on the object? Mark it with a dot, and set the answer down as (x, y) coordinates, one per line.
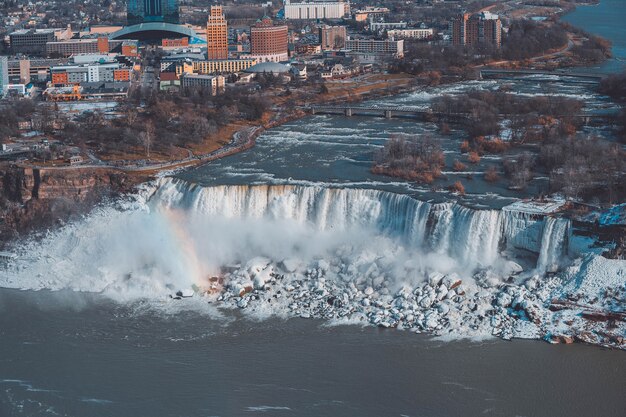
(605, 19)
(116, 347)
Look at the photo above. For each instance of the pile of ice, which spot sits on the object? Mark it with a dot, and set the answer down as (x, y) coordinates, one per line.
(450, 305)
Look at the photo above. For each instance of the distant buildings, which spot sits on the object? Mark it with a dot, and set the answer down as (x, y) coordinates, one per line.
(4, 74)
(225, 66)
(269, 42)
(81, 46)
(332, 37)
(369, 12)
(33, 41)
(23, 71)
(316, 9)
(377, 47)
(482, 28)
(217, 34)
(213, 83)
(90, 68)
(380, 27)
(143, 11)
(174, 43)
(421, 33)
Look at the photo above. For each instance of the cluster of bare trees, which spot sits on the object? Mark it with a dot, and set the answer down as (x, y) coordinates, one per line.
(417, 158)
(531, 118)
(585, 167)
(11, 112)
(165, 121)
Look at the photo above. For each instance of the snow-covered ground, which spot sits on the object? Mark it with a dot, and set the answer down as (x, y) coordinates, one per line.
(345, 255)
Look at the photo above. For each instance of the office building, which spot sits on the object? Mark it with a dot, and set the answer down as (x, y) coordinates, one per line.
(332, 37)
(316, 10)
(217, 34)
(268, 42)
(33, 41)
(143, 11)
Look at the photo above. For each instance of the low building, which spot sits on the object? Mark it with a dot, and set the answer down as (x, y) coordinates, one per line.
(90, 73)
(369, 12)
(71, 47)
(224, 66)
(308, 49)
(299, 71)
(75, 160)
(380, 27)
(421, 33)
(268, 67)
(169, 81)
(213, 83)
(23, 71)
(169, 62)
(393, 48)
(33, 41)
(174, 43)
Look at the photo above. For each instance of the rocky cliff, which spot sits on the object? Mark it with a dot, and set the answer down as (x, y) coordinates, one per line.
(39, 198)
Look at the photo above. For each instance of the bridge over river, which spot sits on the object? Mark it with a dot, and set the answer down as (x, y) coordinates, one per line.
(421, 113)
(564, 76)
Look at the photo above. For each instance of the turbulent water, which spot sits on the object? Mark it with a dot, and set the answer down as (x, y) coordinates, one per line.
(184, 233)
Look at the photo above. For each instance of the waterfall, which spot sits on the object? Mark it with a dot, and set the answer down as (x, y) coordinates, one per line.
(472, 237)
(178, 233)
(553, 244)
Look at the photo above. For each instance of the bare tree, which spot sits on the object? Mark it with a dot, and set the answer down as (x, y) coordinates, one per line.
(147, 137)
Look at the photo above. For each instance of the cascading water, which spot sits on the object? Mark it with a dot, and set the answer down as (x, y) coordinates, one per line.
(553, 244)
(471, 237)
(181, 233)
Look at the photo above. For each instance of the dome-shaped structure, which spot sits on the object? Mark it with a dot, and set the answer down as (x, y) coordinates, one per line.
(267, 67)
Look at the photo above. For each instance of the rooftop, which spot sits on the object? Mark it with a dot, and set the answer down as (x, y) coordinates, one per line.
(273, 67)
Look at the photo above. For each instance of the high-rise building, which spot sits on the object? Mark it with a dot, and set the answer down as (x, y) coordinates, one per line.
(269, 42)
(4, 74)
(141, 11)
(332, 37)
(217, 34)
(482, 28)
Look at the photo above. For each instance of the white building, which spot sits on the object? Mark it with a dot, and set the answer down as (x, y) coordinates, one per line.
(316, 10)
(379, 27)
(410, 34)
(376, 47)
(215, 83)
